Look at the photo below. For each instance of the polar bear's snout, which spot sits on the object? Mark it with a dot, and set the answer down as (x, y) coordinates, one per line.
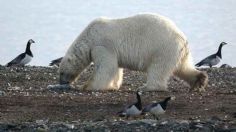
(63, 79)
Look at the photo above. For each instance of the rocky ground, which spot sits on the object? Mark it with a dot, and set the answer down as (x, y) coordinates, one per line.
(27, 105)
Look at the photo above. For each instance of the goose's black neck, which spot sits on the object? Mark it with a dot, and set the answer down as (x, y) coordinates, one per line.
(218, 53)
(28, 51)
(164, 103)
(139, 103)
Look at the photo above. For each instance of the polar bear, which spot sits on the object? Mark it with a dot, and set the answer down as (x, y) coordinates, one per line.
(145, 42)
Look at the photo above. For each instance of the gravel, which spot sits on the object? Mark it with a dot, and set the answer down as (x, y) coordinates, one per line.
(26, 104)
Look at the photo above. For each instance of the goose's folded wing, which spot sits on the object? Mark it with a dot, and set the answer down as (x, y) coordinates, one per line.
(148, 107)
(17, 60)
(206, 60)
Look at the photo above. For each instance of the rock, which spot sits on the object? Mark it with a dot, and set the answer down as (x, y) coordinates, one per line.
(14, 88)
(234, 114)
(225, 66)
(1, 67)
(70, 126)
(41, 122)
(2, 93)
(184, 121)
(107, 126)
(59, 87)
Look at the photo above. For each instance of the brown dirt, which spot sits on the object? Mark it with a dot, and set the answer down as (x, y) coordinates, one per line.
(25, 97)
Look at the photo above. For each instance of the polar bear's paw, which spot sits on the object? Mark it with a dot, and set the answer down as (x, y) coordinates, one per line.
(200, 83)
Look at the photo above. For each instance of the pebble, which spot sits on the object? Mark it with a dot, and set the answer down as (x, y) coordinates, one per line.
(70, 126)
(184, 122)
(2, 93)
(164, 122)
(199, 125)
(41, 122)
(14, 88)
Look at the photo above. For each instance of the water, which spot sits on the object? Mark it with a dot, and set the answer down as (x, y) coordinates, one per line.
(55, 24)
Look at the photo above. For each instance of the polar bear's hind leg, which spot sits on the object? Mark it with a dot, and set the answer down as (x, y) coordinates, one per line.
(197, 80)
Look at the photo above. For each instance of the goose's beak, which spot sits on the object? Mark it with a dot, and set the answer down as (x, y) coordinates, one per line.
(173, 98)
(223, 43)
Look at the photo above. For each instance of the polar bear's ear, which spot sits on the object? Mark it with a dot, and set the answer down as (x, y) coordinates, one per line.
(201, 82)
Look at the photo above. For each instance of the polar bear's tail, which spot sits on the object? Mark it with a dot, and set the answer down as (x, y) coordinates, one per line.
(198, 80)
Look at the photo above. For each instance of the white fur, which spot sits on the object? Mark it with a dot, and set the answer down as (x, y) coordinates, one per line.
(146, 42)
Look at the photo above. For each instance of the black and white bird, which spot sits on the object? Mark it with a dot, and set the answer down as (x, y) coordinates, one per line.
(158, 108)
(56, 62)
(225, 66)
(133, 109)
(23, 58)
(213, 59)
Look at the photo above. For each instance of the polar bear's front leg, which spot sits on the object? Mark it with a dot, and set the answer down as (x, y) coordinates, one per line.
(155, 82)
(106, 74)
(117, 81)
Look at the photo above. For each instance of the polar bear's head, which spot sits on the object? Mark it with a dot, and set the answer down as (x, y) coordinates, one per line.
(68, 70)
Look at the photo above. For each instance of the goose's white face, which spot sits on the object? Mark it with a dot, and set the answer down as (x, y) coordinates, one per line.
(139, 92)
(223, 43)
(31, 41)
(173, 98)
